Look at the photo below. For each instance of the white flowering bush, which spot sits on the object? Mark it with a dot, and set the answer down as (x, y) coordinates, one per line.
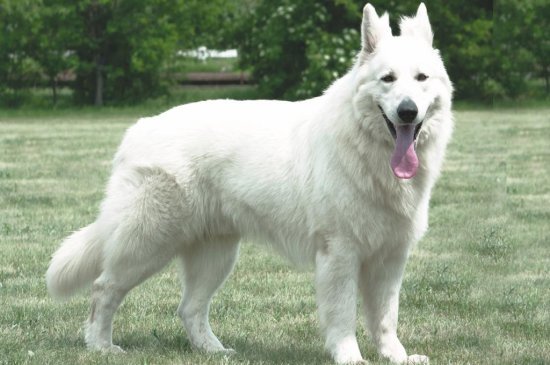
(329, 56)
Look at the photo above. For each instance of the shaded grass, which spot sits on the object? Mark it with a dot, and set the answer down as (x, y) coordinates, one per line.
(475, 291)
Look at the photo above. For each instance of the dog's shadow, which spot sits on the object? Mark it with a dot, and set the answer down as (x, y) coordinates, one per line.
(265, 352)
(247, 350)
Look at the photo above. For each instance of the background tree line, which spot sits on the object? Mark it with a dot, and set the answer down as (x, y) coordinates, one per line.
(117, 49)
(120, 51)
(492, 49)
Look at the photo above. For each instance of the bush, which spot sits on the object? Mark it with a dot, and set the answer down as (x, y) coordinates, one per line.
(295, 49)
(121, 47)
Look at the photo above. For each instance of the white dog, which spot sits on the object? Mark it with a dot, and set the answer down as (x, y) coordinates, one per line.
(341, 181)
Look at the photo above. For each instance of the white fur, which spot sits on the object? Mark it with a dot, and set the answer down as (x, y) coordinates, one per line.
(310, 178)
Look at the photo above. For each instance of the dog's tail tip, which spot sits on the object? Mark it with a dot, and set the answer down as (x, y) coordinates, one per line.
(75, 264)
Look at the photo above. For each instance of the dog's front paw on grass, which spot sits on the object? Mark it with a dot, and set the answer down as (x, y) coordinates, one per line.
(349, 358)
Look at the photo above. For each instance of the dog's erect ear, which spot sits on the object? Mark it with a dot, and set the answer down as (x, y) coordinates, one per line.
(374, 28)
(419, 26)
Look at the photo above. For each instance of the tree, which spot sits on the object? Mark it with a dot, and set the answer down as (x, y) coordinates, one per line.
(118, 49)
(295, 49)
(121, 46)
(211, 23)
(540, 44)
(290, 45)
(50, 35)
(17, 69)
(523, 38)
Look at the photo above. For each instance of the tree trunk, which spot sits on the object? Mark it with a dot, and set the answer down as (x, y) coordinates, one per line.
(98, 101)
(54, 90)
(547, 80)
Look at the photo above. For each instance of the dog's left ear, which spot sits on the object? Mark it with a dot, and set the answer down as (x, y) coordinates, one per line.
(419, 26)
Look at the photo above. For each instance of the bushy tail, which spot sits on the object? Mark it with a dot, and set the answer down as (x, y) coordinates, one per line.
(76, 264)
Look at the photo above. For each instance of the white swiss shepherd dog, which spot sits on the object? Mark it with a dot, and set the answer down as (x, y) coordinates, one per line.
(341, 181)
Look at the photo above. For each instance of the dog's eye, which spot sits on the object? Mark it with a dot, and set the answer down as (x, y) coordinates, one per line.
(421, 77)
(388, 78)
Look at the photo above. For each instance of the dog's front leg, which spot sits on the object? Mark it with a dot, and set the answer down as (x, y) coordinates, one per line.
(336, 275)
(380, 282)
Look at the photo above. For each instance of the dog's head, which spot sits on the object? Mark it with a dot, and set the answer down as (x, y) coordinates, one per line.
(402, 83)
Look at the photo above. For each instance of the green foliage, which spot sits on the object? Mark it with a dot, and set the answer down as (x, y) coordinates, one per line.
(329, 57)
(289, 45)
(17, 69)
(295, 49)
(121, 46)
(49, 41)
(122, 50)
(522, 36)
(211, 23)
(118, 49)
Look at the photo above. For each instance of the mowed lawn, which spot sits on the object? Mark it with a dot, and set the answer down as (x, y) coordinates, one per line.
(476, 290)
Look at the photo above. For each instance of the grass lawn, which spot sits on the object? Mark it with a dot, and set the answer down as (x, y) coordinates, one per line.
(476, 290)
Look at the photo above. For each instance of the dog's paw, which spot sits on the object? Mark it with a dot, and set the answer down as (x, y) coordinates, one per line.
(418, 359)
(349, 358)
(346, 351)
(228, 352)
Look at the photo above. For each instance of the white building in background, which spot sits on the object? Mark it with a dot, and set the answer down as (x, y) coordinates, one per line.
(202, 53)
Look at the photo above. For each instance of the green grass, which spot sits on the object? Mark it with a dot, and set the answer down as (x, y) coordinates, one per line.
(476, 289)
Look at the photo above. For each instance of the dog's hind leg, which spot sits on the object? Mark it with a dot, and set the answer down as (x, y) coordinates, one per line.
(205, 266)
(147, 217)
(110, 288)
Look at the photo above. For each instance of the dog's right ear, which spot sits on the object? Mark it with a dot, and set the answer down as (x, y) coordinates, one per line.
(374, 28)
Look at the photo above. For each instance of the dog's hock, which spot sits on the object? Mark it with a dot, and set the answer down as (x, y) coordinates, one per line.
(418, 26)
(374, 28)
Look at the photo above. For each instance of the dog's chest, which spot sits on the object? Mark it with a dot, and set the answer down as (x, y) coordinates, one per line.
(380, 215)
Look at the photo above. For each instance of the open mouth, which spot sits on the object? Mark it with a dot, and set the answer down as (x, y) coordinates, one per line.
(391, 126)
(404, 160)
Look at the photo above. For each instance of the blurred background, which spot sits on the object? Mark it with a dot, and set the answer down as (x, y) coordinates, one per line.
(61, 53)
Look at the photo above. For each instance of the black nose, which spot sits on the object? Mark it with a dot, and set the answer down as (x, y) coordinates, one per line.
(407, 110)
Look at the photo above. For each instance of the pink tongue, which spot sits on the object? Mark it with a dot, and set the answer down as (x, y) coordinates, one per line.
(404, 161)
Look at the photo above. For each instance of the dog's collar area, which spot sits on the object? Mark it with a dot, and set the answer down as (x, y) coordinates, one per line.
(391, 126)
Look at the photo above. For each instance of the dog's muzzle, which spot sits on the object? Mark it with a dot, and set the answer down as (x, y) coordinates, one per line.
(404, 160)
(391, 126)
